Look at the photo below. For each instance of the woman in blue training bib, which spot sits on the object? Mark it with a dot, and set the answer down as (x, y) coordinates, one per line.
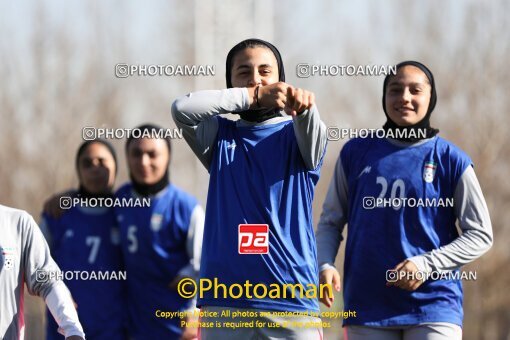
(263, 170)
(161, 242)
(86, 239)
(401, 196)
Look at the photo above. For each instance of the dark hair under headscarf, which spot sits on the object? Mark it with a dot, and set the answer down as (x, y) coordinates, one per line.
(424, 123)
(151, 189)
(82, 192)
(260, 114)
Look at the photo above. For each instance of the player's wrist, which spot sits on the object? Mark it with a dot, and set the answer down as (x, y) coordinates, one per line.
(326, 266)
(254, 95)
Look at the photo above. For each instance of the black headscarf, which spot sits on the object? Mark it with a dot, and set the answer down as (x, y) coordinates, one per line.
(422, 124)
(82, 192)
(260, 114)
(151, 189)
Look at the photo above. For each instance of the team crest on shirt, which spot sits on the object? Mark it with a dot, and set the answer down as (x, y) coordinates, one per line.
(232, 145)
(8, 258)
(429, 171)
(156, 220)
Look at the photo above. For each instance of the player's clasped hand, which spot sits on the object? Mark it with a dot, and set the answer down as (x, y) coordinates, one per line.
(410, 281)
(298, 100)
(284, 96)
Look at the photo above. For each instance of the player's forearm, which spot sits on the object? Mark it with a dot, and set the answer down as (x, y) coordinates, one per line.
(474, 221)
(195, 114)
(39, 266)
(62, 308)
(333, 218)
(311, 136)
(195, 238)
(194, 107)
(329, 237)
(194, 243)
(465, 249)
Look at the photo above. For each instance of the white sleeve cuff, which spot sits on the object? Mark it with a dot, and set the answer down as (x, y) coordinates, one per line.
(246, 100)
(421, 263)
(325, 266)
(62, 308)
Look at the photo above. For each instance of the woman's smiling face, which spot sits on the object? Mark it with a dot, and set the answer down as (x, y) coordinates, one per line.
(96, 169)
(148, 160)
(253, 66)
(407, 96)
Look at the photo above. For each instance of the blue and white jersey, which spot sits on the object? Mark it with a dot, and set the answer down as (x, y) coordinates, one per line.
(154, 240)
(87, 240)
(380, 237)
(258, 176)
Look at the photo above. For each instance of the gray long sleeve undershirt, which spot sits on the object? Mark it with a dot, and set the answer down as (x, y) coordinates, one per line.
(470, 209)
(195, 115)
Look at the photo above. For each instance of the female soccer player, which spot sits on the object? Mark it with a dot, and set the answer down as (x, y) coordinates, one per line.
(87, 239)
(25, 258)
(161, 243)
(263, 170)
(401, 199)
